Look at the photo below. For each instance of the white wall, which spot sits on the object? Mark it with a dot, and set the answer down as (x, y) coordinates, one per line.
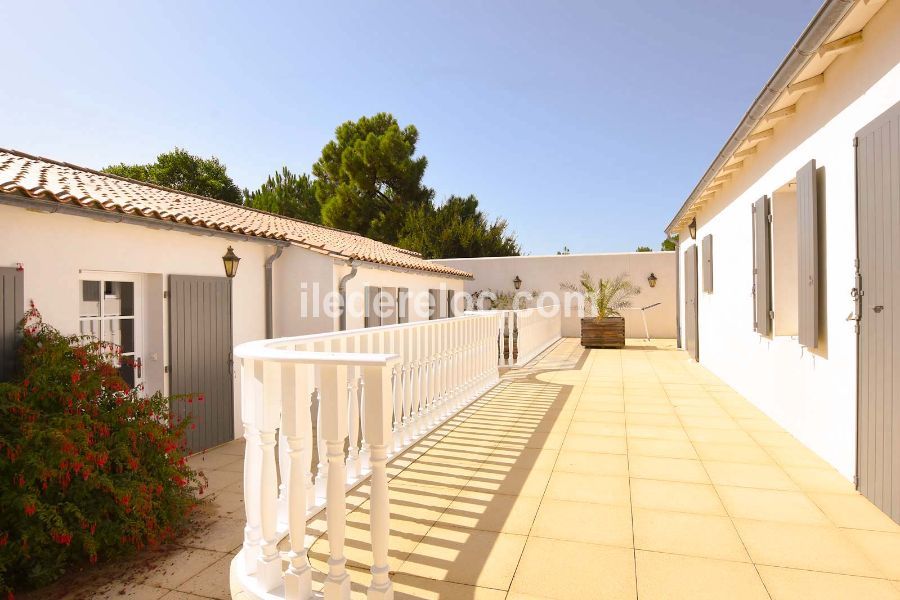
(545, 273)
(55, 248)
(812, 394)
(417, 283)
(297, 273)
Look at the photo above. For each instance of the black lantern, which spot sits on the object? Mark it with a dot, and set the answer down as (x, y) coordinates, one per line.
(231, 261)
(517, 282)
(692, 228)
(652, 280)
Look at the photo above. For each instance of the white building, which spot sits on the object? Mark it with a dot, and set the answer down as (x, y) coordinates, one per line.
(142, 266)
(787, 285)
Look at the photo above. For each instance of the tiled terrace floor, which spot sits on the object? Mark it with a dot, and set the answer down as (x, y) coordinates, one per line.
(602, 474)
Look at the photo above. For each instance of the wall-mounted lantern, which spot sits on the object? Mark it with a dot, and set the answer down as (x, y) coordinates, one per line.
(652, 280)
(692, 228)
(231, 261)
(517, 282)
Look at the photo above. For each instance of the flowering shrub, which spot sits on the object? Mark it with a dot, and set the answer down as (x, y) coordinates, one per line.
(88, 467)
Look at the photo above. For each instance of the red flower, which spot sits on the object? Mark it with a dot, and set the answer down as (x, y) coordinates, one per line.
(76, 377)
(29, 509)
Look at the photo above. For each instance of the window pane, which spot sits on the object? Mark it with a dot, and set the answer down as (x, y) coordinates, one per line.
(118, 298)
(126, 337)
(90, 299)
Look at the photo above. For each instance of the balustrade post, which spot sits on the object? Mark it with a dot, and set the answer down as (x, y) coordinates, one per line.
(353, 415)
(268, 566)
(333, 408)
(295, 423)
(251, 398)
(395, 338)
(378, 431)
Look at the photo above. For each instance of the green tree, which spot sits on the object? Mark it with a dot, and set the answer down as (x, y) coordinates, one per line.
(643, 249)
(287, 194)
(457, 229)
(370, 179)
(564, 251)
(670, 243)
(181, 170)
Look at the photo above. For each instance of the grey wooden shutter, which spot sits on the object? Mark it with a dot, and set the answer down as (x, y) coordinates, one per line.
(373, 310)
(433, 304)
(451, 296)
(808, 255)
(389, 308)
(691, 309)
(12, 308)
(762, 268)
(200, 359)
(707, 248)
(402, 305)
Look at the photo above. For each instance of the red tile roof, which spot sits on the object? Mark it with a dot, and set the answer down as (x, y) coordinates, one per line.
(36, 177)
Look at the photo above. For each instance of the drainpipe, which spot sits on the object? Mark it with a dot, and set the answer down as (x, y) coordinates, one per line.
(270, 309)
(342, 291)
(678, 293)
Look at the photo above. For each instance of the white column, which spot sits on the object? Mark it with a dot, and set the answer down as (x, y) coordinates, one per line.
(294, 424)
(268, 566)
(378, 432)
(333, 408)
(251, 399)
(353, 468)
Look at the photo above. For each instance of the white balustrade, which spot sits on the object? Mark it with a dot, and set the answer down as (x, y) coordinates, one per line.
(525, 333)
(377, 391)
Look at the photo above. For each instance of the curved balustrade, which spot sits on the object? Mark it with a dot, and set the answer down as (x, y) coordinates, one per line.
(525, 333)
(374, 392)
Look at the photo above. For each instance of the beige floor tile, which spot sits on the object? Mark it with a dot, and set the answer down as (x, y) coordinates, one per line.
(590, 463)
(572, 570)
(803, 547)
(669, 576)
(882, 548)
(212, 582)
(690, 534)
(605, 429)
(661, 448)
(660, 420)
(470, 557)
(718, 436)
(584, 415)
(510, 480)
(742, 453)
(491, 512)
(667, 469)
(175, 568)
(656, 432)
(597, 489)
(790, 584)
(118, 590)
(216, 533)
(796, 456)
(526, 458)
(676, 496)
(410, 587)
(584, 522)
(854, 512)
(811, 479)
(596, 444)
(771, 505)
(749, 475)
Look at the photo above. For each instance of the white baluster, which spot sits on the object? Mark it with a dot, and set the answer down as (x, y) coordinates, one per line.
(368, 343)
(411, 383)
(378, 432)
(284, 459)
(251, 398)
(295, 423)
(333, 407)
(395, 339)
(353, 468)
(268, 566)
(322, 468)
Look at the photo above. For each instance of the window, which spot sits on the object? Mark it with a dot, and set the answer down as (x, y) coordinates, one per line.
(784, 265)
(107, 312)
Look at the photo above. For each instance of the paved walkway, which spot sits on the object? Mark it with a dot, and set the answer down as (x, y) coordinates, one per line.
(602, 474)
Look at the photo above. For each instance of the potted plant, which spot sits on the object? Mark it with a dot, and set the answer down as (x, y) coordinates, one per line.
(605, 328)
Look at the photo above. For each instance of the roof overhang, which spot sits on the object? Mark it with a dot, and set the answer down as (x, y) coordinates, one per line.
(836, 28)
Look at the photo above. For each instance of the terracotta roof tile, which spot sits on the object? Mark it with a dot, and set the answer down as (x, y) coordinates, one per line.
(37, 177)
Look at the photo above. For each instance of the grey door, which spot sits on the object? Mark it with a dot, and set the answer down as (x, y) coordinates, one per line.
(878, 230)
(12, 309)
(200, 359)
(691, 333)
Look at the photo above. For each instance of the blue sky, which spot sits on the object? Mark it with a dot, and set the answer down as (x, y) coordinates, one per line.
(585, 124)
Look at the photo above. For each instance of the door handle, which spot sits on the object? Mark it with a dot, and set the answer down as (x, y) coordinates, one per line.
(138, 365)
(878, 308)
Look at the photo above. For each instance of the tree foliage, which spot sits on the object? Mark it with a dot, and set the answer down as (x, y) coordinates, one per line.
(181, 170)
(370, 179)
(643, 249)
(457, 229)
(287, 194)
(91, 469)
(669, 244)
(564, 252)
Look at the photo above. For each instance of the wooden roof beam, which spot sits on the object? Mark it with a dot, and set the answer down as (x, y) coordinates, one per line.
(780, 113)
(841, 45)
(745, 152)
(733, 166)
(721, 178)
(760, 135)
(801, 87)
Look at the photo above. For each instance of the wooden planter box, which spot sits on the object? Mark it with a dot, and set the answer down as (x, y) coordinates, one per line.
(605, 333)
